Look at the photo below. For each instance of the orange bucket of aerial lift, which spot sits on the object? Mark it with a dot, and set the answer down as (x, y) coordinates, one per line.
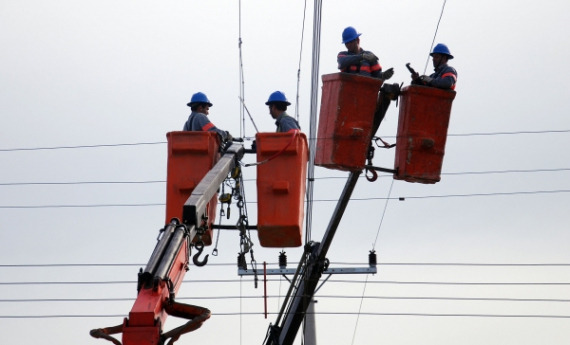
(281, 181)
(422, 133)
(191, 155)
(348, 105)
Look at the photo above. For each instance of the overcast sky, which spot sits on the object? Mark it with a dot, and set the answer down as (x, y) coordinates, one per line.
(83, 73)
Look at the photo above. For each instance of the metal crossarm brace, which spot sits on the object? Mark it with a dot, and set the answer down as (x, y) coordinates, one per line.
(330, 270)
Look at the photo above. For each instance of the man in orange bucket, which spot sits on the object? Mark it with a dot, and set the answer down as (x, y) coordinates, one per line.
(198, 119)
(278, 103)
(359, 61)
(445, 76)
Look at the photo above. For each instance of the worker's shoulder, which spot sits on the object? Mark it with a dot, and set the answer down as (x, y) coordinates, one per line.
(199, 116)
(344, 53)
(448, 68)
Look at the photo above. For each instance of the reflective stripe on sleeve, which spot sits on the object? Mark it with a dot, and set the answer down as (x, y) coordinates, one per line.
(450, 74)
(207, 126)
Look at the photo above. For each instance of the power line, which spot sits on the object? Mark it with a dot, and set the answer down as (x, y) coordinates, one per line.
(316, 313)
(462, 264)
(81, 146)
(164, 142)
(316, 200)
(277, 280)
(316, 178)
(85, 182)
(435, 34)
(431, 298)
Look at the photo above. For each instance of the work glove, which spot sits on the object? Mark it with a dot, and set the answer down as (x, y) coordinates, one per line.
(370, 57)
(426, 79)
(229, 136)
(388, 74)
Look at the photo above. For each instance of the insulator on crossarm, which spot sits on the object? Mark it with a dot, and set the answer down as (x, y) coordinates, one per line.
(282, 260)
(372, 258)
(241, 261)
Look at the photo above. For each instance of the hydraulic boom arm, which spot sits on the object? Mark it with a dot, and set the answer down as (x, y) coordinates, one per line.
(163, 275)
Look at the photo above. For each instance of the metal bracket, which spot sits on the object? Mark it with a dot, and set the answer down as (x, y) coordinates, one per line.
(291, 271)
(386, 170)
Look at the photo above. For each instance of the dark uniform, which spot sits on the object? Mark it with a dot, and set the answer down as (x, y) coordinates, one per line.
(353, 63)
(199, 122)
(444, 77)
(286, 123)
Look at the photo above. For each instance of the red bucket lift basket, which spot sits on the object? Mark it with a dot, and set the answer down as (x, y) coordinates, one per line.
(422, 132)
(348, 105)
(191, 155)
(281, 184)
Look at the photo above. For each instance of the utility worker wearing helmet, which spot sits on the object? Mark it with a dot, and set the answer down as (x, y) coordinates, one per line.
(278, 103)
(445, 76)
(357, 60)
(198, 119)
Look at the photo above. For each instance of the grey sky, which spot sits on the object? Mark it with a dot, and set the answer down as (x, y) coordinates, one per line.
(108, 72)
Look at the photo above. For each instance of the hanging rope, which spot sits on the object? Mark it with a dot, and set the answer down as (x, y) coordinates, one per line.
(383, 213)
(294, 132)
(433, 41)
(359, 309)
(299, 70)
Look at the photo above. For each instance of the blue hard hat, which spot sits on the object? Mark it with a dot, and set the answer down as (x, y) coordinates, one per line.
(277, 96)
(199, 97)
(349, 34)
(441, 48)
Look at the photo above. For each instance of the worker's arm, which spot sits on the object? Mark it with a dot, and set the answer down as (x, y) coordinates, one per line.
(346, 60)
(446, 81)
(201, 123)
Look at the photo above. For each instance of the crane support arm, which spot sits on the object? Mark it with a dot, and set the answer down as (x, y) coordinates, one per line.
(161, 279)
(284, 333)
(195, 207)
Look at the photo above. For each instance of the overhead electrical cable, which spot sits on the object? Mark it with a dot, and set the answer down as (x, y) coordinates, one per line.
(316, 200)
(241, 82)
(387, 282)
(429, 298)
(316, 178)
(460, 264)
(533, 316)
(312, 137)
(373, 250)
(300, 58)
(435, 34)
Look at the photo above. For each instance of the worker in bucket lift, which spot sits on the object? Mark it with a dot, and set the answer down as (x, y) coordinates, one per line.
(445, 76)
(278, 103)
(359, 61)
(198, 119)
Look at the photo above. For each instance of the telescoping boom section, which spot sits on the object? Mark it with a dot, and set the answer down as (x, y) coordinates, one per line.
(159, 282)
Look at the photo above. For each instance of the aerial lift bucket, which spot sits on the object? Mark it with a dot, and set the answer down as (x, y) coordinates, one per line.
(281, 182)
(346, 118)
(422, 133)
(190, 156)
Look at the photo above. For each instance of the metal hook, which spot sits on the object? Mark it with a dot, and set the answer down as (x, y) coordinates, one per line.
(199, 248)
(372, 177)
